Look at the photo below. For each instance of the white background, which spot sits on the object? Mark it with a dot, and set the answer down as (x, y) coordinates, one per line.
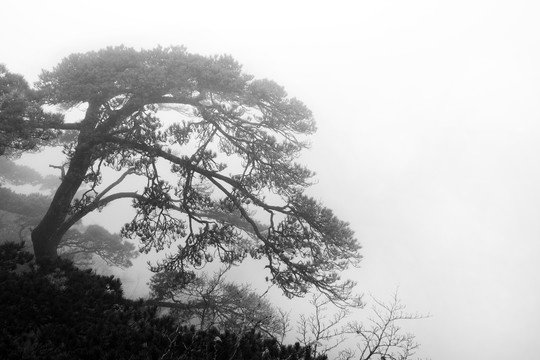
(428, 143)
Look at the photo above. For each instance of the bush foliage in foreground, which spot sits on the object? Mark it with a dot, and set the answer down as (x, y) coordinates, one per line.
(60, 312)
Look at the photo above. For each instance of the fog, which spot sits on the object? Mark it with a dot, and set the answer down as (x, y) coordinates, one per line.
(427, 142)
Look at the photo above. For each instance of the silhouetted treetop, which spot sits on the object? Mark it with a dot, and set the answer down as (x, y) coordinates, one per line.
(210, 144)
(24, 125)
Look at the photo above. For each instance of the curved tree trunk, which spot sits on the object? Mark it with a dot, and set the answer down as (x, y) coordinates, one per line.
(49, 232)
(47, 235)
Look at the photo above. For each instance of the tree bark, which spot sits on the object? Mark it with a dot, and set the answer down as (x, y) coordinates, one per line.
(47, 235)
(49, 232)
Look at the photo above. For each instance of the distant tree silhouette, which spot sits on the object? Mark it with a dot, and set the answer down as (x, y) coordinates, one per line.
(212, 301)
(19, 213)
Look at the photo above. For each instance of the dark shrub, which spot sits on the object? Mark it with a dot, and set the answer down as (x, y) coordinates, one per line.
(58, 311)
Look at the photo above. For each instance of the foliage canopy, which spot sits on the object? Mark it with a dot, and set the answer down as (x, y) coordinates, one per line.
(210, 144)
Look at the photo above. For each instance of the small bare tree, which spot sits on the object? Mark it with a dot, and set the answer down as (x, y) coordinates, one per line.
(285, 325)
(212, 301)
(381, 337)
(321, 331)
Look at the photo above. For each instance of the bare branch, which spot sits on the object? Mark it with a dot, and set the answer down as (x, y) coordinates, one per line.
(320, 332)
(384, 337)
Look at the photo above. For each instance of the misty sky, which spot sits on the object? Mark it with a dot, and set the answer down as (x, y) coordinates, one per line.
(428, 143)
